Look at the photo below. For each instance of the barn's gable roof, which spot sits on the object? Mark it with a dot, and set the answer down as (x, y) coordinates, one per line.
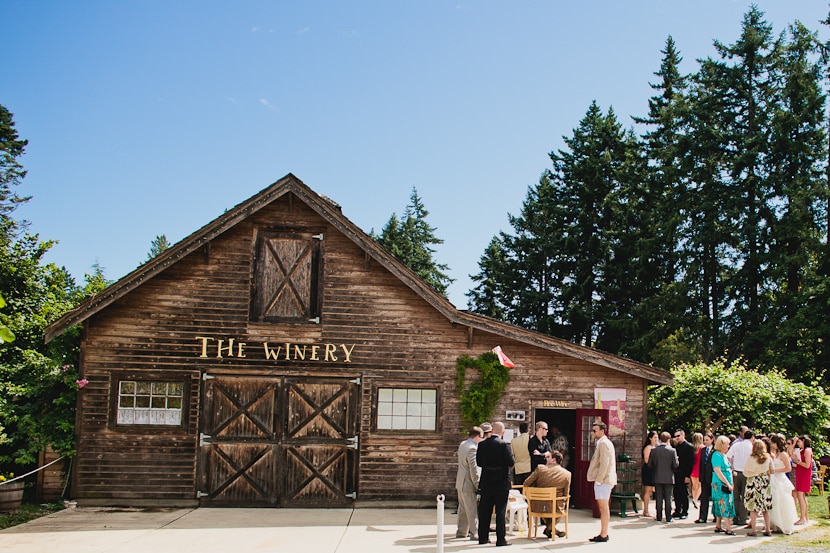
(330, 211)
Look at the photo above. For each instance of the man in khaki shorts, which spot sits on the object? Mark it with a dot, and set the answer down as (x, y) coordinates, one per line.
(603, 473)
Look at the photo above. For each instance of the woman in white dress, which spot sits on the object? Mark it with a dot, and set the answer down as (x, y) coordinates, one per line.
(783, 515)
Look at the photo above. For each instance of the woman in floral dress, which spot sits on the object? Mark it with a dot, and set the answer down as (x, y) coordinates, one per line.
(758, 497)
(723, 505)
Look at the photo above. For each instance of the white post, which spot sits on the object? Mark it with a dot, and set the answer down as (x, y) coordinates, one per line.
(439, 537)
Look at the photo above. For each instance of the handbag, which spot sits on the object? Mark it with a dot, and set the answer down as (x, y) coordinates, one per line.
(725, 489)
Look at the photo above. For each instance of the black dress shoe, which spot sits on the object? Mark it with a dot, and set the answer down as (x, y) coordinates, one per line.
(547, 532)
(698, 521)
(560, 533)
(598, 539)
(503, 544)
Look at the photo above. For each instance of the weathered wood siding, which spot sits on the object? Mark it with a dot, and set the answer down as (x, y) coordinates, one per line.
(400, 340)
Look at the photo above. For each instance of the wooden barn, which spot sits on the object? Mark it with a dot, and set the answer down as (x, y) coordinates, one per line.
(278, 356)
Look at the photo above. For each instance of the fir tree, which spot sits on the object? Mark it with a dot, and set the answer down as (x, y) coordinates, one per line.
(411, 238)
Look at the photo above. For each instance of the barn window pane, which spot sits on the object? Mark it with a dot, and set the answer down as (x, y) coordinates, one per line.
(150, 403)
(406, 409)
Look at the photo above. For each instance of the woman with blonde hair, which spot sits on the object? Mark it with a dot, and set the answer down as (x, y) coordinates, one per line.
(723, 505)
(758, 497)
(697, 443)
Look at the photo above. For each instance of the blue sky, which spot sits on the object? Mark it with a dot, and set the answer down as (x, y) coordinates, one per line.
(154, 117)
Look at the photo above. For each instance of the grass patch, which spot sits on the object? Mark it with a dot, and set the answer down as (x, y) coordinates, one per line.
(27, 512)
(818, 509)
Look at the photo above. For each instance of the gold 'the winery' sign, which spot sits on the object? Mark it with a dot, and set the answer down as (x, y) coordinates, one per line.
(220, 348)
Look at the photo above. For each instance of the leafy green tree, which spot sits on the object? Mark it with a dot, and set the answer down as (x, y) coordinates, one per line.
(38, 381)
(6, 335)
(720, 397)
(36, 394)
(411, 238)
(158, 246)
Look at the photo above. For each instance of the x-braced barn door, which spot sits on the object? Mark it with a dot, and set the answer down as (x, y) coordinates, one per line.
(269, 441)
(239, 441)
(321, 441)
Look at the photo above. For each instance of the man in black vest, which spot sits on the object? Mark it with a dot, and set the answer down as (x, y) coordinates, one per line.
(683, 474)
(705, 477)
(495, 458)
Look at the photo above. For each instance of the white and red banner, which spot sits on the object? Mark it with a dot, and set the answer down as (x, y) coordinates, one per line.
(503, 359)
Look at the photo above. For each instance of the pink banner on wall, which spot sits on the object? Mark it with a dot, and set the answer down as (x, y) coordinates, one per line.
(612, 399)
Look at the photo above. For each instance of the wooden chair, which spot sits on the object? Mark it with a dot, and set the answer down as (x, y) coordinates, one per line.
(542, 504)
(820, 478)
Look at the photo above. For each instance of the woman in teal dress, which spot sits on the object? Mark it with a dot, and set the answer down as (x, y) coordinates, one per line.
(723, 505)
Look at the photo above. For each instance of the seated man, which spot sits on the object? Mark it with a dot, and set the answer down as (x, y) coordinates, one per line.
(552, 475)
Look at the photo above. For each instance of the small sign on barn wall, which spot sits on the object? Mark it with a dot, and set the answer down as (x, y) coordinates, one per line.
(514, 415)
(612, 399)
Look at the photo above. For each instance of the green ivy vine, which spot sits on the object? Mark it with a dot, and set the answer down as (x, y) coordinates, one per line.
(479, 398)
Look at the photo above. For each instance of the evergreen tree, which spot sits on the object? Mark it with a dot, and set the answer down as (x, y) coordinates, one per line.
(157, 246)
(746, 80)
(489, 296)
(593, 174)
(410, 240)
(661, 313)
(796, 171)
(574, 262)
(533, 256)
(11, 171)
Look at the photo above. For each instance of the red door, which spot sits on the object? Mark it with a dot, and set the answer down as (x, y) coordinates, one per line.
(585, 445)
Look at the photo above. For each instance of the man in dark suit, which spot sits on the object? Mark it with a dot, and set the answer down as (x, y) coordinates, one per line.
(663, 463)
(495, 458)
(705, 477)
(683, 474)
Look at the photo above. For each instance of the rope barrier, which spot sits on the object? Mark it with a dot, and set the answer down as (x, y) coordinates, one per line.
(32, 472)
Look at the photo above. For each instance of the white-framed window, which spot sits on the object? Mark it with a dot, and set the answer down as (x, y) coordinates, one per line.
(150, 402)
(407, 408)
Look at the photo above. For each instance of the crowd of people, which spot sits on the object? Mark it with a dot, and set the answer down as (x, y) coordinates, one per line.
(740, 477)
(737, 477)
(485, 463)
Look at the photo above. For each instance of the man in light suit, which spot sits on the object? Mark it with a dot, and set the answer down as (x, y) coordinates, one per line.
(466, 483)
(495, 458)
(602, 471)
(552, 475)
(663, 462)
(521, 470)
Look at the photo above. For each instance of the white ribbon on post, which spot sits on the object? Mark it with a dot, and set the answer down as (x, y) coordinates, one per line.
(439, 536)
